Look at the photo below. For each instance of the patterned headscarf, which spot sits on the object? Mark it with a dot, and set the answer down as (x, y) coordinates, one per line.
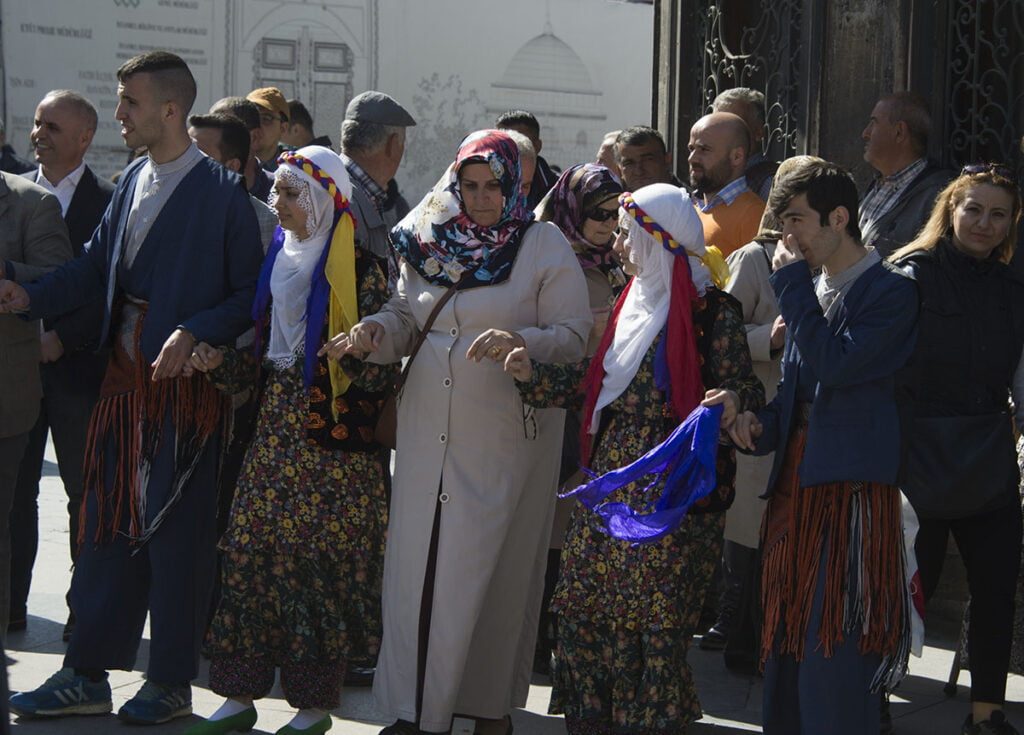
(578, 191)
(441, 242)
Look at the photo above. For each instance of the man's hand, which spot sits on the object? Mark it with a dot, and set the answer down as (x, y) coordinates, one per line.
(778, 336)
(365, 337)
(786, 252)
(730, 405)
(746, 430)
(51, 348)
(518, 365)
(13, 298)
(177, 350)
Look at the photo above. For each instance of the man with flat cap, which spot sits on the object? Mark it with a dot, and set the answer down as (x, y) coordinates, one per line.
(372, 144)
(274, 117)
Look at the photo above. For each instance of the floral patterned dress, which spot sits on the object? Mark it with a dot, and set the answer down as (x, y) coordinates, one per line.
(627, 613)
(303, 553)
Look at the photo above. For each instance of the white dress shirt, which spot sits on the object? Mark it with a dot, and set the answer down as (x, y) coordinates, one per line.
(64, 189)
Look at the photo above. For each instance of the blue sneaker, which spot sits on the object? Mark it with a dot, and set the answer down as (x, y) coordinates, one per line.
(157, 703)
(64, 693)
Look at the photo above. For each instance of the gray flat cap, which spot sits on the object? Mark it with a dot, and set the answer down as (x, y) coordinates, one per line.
(377, 107)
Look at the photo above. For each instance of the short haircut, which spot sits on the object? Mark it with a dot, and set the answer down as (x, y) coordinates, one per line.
(744, 95)
(298, 113)
(638, 135)
(912, 109)
(82, 106)
(518, 117)
(170, 74)
(358, 136)
(827, 187)
(245, 110)
(524, 144)
(234, 136)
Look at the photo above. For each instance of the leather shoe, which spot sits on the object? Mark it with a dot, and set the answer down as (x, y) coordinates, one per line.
(714, 640)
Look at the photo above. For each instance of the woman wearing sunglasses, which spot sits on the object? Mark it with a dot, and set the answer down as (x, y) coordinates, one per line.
(960, 469)
(584, 205)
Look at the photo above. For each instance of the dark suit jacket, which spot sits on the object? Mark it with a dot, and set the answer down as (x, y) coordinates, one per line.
(33, 241)
(83, 363)
(901, 223)
(12, 163)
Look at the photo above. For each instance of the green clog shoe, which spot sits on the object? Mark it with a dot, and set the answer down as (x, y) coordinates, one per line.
(243, 721)
(317, 728)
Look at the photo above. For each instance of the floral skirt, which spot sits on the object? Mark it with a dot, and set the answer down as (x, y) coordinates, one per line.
(620, 675)
(302, 560)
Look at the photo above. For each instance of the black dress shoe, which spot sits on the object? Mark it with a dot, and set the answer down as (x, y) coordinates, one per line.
(714, 640)
(359, 676)
(401, 727)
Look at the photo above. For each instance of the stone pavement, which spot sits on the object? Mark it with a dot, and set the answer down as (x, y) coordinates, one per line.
(731, 703)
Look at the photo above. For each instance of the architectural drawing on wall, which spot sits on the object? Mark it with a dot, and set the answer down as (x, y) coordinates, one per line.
(444, 112)
(548, 78)
(322, 54)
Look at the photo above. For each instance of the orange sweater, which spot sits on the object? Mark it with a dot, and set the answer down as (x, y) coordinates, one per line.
(731, 226)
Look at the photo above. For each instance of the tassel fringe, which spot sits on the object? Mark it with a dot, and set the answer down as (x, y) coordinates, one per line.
(855, 529)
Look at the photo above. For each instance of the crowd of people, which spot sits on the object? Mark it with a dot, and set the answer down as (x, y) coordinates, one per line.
(746, 387)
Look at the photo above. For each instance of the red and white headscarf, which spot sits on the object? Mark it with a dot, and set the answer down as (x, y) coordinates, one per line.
(674, 268)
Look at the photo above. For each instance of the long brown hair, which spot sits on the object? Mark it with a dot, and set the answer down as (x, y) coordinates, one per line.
(940, 222)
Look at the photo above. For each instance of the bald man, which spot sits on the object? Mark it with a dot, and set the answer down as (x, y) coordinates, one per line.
(730, 212)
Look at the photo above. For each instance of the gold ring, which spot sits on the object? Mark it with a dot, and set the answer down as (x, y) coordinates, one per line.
(495, 351)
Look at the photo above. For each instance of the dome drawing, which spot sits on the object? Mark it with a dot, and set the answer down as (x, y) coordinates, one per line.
(547, 63)
(548, 78)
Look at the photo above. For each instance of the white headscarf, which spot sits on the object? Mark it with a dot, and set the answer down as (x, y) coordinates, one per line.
(645, 309)
(293, 269)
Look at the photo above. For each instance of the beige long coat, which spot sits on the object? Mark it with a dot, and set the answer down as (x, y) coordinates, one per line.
(749, 270)
(466, 451)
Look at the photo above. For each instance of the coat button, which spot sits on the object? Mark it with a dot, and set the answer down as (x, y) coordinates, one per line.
(447, 382)
(454, 332)
(443, 497)
(443, 438)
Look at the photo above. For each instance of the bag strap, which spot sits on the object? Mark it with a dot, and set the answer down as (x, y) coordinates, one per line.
(436, 311)
(431, 318)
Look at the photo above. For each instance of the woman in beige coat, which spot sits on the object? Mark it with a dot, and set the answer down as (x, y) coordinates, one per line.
(474, 484)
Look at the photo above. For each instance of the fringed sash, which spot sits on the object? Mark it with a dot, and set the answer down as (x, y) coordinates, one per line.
(856, 529)
(131, 412)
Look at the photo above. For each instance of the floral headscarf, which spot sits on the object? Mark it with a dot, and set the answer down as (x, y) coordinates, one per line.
(577, 192)
(441, 242)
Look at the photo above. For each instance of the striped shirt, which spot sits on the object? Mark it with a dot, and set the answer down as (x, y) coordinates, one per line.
(726, 195)
(885, 191)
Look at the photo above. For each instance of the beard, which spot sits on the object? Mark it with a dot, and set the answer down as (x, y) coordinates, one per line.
(711, 180)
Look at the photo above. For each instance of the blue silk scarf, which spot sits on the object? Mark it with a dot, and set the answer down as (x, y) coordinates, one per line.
(685, 461)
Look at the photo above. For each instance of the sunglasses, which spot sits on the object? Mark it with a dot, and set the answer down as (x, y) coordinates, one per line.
(998, 169)
(602, 215)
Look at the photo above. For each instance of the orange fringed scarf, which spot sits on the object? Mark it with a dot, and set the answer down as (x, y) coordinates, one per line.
(856, 530)
(131, 412)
